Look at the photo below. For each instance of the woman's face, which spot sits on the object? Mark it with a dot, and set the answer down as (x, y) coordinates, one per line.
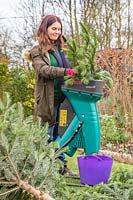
(54, 31)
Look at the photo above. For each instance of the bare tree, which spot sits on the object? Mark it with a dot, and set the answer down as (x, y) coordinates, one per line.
(128, 23)
(5, 38)
(111, 19)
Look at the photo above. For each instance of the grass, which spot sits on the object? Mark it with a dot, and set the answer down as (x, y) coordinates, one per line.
(73, 164)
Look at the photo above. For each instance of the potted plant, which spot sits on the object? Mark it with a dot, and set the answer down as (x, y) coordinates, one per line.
(82, 59)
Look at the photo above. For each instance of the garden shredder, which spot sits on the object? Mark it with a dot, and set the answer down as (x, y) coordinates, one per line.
(79, 125)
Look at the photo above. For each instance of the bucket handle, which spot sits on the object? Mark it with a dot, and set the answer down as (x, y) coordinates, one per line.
(98, 158)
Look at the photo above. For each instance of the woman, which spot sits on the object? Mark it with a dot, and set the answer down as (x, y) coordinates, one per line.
(51, 65)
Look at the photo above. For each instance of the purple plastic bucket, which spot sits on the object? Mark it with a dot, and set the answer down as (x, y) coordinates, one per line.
(94, 169)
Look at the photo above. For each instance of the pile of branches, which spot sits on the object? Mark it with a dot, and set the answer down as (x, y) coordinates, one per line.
(119, 62)
(116, 57)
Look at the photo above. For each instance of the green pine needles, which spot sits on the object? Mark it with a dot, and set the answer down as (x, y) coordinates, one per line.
(82, 59)
(28, 168)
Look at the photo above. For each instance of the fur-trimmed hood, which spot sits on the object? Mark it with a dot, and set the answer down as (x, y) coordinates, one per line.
(26, 54)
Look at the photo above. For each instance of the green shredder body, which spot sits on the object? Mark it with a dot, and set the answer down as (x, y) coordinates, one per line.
(83, 131)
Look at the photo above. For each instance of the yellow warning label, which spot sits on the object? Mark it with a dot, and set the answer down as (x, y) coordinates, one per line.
(63, 118)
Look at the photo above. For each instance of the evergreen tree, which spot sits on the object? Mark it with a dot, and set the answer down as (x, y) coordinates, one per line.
(28, 168)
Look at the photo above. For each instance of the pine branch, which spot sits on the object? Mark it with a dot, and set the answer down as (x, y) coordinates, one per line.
(38, 194)
(1, 178)
(8, 157)
(24, 165)
(26, 186)
(9, 191)
(24, 158)
(8, 183)
(48, 174)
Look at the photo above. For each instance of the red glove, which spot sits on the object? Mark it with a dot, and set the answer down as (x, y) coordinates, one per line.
(70, 72)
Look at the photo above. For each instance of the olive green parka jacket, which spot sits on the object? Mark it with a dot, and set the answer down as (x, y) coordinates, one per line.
(44, 83)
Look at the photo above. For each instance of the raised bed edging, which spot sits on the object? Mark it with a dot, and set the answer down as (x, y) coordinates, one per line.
(121, 157)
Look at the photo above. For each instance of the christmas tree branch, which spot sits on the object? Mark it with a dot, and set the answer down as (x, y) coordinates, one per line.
(8, 183)
(41, 195)
(14, 166)
(33, 191)
(9, 191)
(24, 165)
(8, 157)
(1, 178)
(49, 174)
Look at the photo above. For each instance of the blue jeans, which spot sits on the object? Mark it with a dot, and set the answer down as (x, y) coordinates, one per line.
(53, 130)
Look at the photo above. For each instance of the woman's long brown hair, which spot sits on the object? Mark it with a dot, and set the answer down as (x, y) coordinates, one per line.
(42, 32)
